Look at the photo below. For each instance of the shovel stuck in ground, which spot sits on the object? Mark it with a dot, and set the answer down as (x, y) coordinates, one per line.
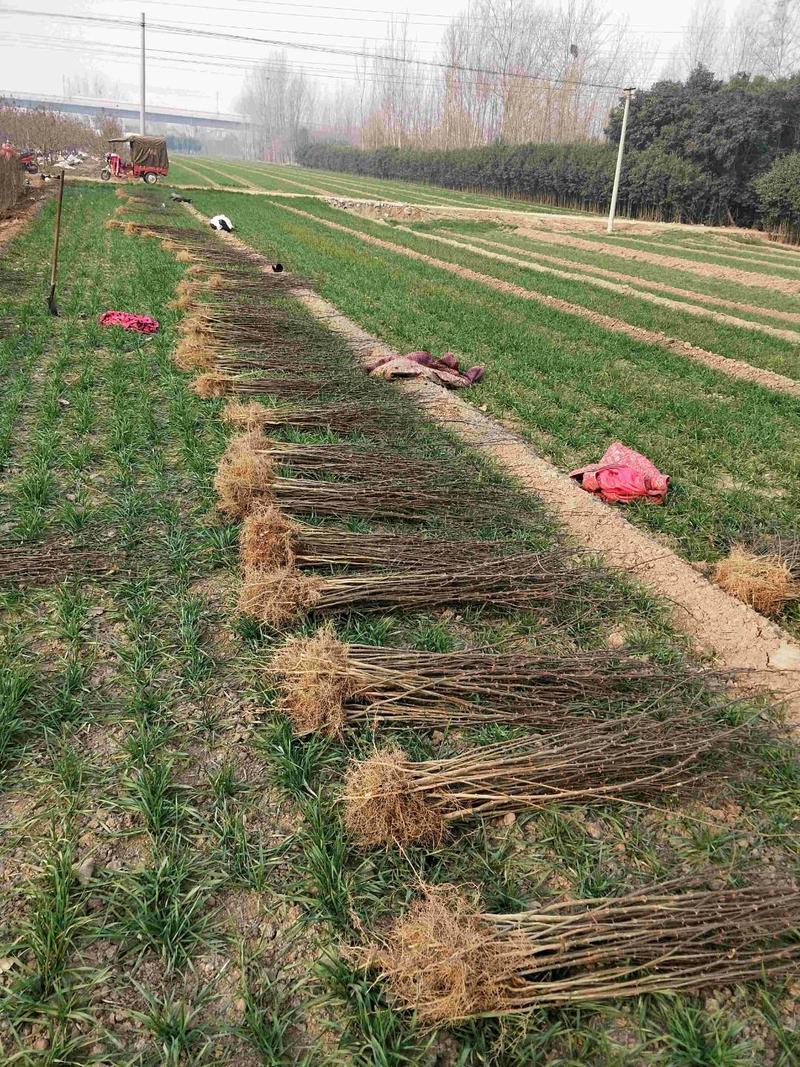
(52, 307)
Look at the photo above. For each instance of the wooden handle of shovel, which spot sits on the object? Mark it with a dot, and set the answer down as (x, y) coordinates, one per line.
(56, 240)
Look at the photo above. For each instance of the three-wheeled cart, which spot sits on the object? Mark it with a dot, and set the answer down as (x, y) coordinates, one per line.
(138, 157)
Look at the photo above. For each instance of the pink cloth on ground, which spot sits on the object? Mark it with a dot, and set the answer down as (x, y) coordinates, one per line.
(138, 323)
(444, 370)
(623, 475)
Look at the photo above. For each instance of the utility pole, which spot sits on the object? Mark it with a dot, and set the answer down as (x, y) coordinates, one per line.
(618, 171)
(142, 129)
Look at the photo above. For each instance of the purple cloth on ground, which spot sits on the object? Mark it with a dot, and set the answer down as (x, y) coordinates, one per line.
(445, 369)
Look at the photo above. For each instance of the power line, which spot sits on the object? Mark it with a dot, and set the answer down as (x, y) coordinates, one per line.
(311, 14)
(228, 60)
(307, 46)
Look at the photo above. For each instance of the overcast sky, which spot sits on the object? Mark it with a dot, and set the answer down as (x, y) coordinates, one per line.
(49, 55)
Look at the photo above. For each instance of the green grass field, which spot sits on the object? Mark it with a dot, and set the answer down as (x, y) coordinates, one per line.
(177, 883)
(291, 179)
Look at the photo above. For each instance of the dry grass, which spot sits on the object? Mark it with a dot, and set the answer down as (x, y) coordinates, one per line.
(278, 597)
(212, 386)
(442, 959)
(192, 356)
(319, 665)
(266, 541)
(765, 582)
(243, 475)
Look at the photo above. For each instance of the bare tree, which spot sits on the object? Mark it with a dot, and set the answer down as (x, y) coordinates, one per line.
(277, 102)
(705, 35)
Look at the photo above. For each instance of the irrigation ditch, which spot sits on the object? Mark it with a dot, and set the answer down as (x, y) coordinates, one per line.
(342, 507)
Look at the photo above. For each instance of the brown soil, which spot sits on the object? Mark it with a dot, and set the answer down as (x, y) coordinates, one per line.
(734, 368)
(600, 283)
(742, 256)
(22, 213)
(559, 229)
(703, 270)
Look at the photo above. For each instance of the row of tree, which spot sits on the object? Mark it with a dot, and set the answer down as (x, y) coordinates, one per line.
(11, 182)
(53, 134)
(697, 150)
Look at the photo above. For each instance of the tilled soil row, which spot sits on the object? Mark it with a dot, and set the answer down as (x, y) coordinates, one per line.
(704, 270)
(590, 270)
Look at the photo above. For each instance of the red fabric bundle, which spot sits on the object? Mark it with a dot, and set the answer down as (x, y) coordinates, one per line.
(623, 475)
(138, 323)
(444, 370)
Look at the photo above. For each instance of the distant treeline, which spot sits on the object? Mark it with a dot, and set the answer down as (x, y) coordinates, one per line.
(697, 151)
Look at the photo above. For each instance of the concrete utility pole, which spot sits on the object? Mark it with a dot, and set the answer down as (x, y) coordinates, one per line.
(618, 171)
(142, 129)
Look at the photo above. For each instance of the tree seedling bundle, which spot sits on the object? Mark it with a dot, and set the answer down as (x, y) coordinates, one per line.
(326, 685)
(447, 961)
(246, 476)
(389, 799)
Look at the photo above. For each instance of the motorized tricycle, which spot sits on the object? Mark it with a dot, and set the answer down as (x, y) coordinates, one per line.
(139, 157)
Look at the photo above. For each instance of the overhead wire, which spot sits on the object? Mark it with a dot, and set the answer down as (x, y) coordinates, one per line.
(324, 48)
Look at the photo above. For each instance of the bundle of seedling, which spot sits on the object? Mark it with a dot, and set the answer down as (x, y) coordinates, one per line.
(215, 287)
(326, 685)
(214, 386)
(447, 961)
(341, 418)
(390, 799)
(42, 564)
(409, 490)
(259, 331)
(527, 581)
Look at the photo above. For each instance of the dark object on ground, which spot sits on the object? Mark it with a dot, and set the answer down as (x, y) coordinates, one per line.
(180, 199)
(277, 267)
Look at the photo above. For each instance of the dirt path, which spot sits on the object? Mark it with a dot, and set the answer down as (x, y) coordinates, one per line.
(734, 368)
(704, 270)
(736, 636)
(601, 283)
(632, 279)
(221, 171)
(742, 257)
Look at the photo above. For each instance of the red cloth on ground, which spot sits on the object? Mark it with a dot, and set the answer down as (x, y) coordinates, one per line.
(139, 323)
(623, 475)
(444, 370)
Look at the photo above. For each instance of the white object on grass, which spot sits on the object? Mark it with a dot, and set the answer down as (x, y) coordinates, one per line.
(221, 222)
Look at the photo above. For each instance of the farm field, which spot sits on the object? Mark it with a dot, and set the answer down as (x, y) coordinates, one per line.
(569, 384)
(190, 170)
(200, 862)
